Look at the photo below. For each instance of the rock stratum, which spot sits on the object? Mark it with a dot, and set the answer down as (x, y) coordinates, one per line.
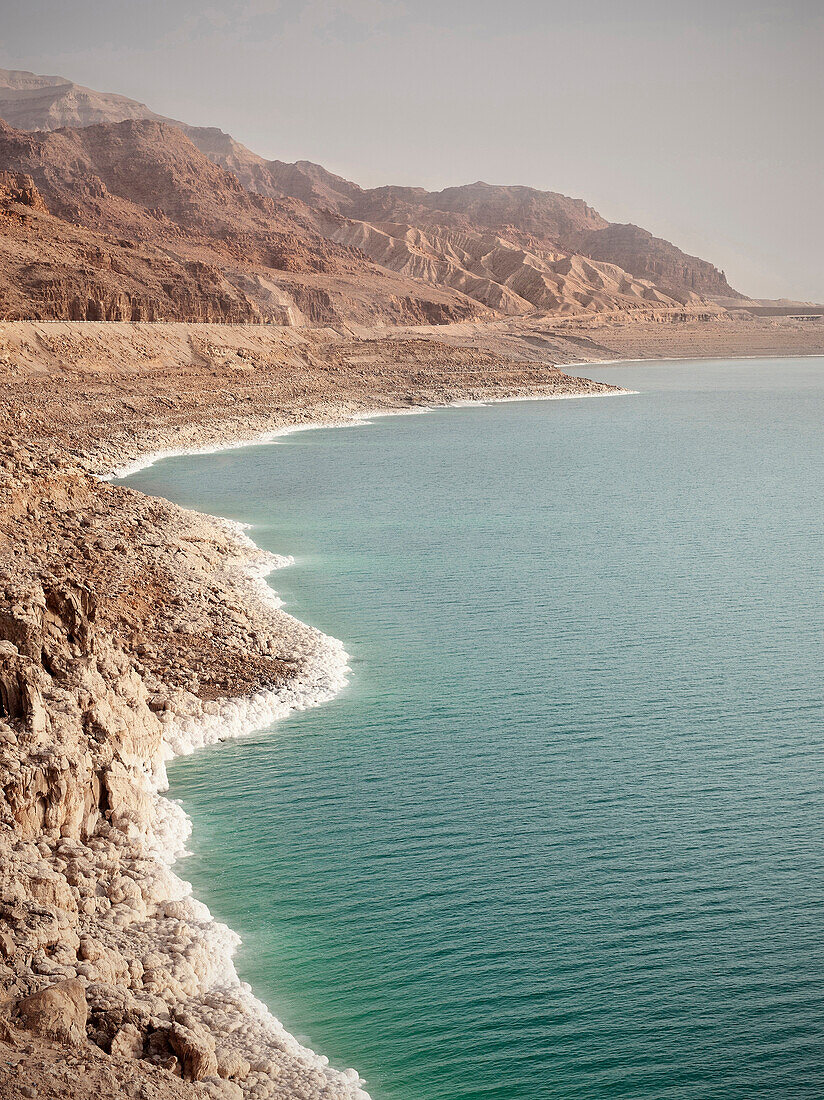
(133, 216)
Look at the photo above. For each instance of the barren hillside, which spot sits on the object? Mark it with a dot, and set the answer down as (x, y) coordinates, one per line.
(510, 249)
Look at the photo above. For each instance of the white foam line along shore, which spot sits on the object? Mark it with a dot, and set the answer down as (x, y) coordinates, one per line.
(704, 360)
(323, 675)
(357, 419)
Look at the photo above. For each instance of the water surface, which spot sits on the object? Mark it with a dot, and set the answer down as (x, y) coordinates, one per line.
(562, 836)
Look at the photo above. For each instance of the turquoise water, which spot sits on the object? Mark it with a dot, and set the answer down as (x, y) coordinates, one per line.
(563, 836)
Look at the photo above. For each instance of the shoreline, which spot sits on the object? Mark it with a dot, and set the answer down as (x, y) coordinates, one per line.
(320, 680)
(186, 645)
(691, 359)
(243, 716)
(234, 718)
(356, 419)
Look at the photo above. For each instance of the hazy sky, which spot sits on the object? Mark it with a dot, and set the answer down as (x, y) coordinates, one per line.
(701, 121)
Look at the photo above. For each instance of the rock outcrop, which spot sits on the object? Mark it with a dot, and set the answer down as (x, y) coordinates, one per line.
(19, 188)
(656, 260)
(57, 1012)
(130, 221)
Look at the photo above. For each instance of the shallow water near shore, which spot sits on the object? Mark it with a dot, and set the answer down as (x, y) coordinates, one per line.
(562, 835)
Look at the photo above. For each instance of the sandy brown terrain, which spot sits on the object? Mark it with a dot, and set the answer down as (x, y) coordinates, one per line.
(98, 389)
(649, 334)
(130, 628)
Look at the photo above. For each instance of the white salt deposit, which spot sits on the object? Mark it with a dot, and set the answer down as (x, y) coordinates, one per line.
(222, 1004)
(191, 952)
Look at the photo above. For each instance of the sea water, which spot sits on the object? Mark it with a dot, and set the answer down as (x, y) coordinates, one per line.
(563, 835)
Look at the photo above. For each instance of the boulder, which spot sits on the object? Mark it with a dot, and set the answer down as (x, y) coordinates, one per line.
(232, 1064)
(59, 1012)
(196, 1050)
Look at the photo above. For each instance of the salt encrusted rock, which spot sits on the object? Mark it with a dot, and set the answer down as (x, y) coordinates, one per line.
(232, 1064)
(196, 1050)
(128, 1042)
(22, 626)
(219, 1089)
(58, 1012)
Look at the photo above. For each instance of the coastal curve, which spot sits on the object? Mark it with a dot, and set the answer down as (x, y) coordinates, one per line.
(133, 630)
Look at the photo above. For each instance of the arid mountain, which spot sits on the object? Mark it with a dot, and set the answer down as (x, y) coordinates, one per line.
(147, 179)
(51, 268)
(32, 102)
(542, 220)
(545, 223)
(507, 277)
(130, 221)
(111, 166)
(648, 257)
(544, 215)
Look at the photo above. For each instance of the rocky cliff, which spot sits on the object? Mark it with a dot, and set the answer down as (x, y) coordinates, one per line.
(648, 257)
(131, 221)
(242, 209)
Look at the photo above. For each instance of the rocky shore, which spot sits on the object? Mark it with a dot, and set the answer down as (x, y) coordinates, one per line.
(131, 630)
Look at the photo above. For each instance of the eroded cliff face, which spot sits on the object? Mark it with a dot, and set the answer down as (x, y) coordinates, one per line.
(647, 257)
(133, 223)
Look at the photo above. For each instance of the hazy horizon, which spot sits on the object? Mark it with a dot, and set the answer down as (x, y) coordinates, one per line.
(699, 124)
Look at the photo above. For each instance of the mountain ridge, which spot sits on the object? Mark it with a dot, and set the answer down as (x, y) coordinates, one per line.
(478, 248)
(198, 245)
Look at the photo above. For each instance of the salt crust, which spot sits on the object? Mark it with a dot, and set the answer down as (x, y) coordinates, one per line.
(144, 461)
(226, 1007)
